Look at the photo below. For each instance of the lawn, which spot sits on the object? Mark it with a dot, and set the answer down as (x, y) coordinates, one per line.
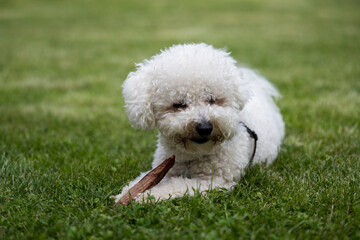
(66, 144)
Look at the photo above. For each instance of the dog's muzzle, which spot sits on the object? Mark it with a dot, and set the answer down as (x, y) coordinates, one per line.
(204, 130)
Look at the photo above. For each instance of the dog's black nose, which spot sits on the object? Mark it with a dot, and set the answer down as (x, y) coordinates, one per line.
(204, 129)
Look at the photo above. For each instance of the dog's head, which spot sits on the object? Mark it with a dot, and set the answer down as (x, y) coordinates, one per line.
(192, 93)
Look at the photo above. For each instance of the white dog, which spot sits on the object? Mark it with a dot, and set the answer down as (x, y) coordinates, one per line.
(207, 111)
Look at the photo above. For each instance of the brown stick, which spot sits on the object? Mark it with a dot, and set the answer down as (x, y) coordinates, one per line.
(147, 182)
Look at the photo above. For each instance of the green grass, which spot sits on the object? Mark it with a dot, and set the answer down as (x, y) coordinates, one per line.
(66, 144)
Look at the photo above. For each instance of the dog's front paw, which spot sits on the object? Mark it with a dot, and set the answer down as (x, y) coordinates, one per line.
(122, 194)
(153, 195)
(116, 197)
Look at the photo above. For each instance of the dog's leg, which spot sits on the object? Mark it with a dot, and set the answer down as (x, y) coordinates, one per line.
(175, 187)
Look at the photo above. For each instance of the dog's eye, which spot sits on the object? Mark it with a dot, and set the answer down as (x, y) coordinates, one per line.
(211, 100)
(180, 105)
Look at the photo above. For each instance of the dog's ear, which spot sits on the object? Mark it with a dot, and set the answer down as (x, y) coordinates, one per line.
(137, 96)
(242, 93)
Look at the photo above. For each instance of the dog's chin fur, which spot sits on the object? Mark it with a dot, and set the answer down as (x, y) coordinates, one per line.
(198, 149)
(198, 146)
(190, 84)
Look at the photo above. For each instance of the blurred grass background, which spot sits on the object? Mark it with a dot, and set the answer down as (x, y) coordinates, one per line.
(66, 144)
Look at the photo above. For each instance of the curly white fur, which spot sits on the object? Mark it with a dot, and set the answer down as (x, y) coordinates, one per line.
(189, 84)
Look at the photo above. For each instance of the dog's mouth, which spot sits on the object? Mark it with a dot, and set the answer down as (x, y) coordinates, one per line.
(199, 140)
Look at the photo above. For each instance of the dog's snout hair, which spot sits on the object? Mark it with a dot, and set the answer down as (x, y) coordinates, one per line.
(204, 128)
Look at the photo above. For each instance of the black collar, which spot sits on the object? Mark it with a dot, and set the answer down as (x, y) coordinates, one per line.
(255, 137)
